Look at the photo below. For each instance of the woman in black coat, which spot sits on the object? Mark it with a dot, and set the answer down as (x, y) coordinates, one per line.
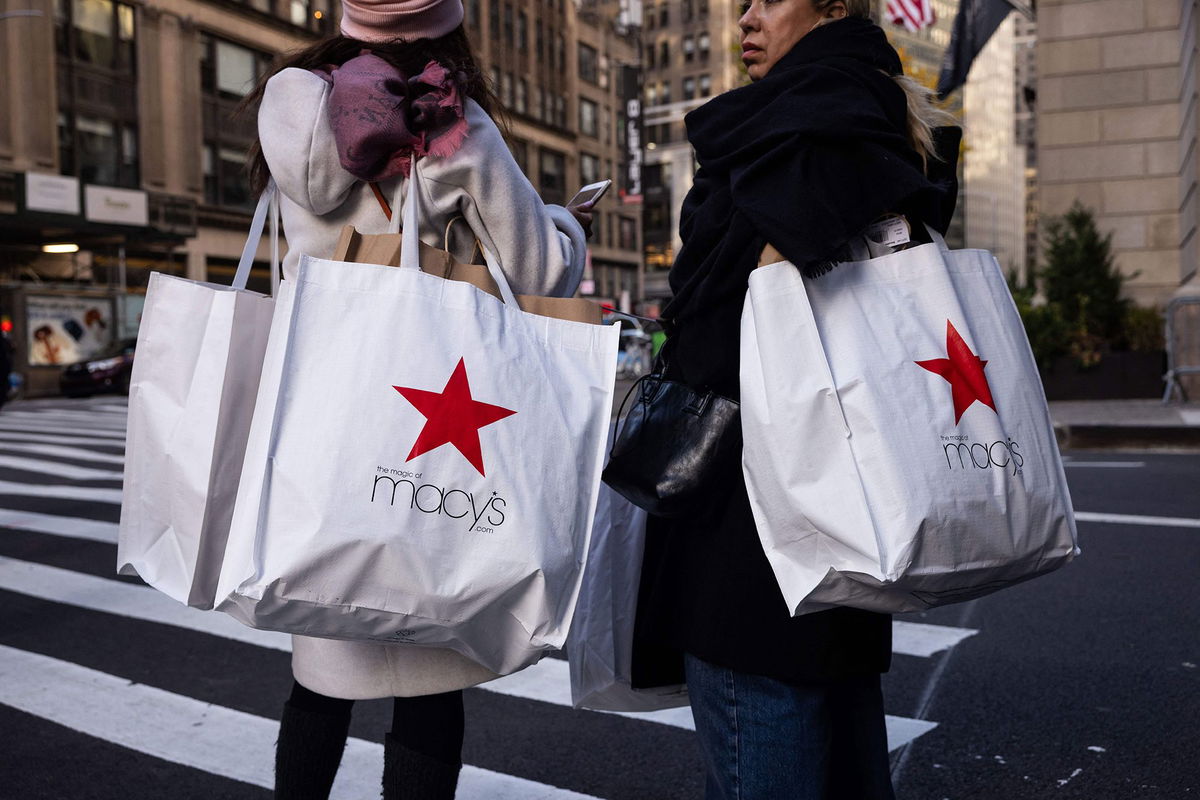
(828, 137)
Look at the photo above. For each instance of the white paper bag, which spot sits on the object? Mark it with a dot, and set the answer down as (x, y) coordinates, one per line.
(199, 353)
(423, 464)
(899, 452)
(600, 647)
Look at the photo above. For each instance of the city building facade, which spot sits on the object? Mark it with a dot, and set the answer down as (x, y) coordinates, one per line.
(120, 152)
(1117, 105)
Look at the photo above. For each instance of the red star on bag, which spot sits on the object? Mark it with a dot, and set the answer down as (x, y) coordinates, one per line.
(964, 371)
(452, 417)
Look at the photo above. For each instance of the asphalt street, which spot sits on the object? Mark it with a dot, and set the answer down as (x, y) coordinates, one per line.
(1081, 684)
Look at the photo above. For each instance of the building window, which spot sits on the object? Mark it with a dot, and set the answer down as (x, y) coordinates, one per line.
(97, 128)
(539, 103)
(650, 56)
(689, 88)
(228, 72)
(705, 85)
(703, 45)
(225, 181)
(665, 93)
(628, 233)
(689, 47)
(298, 11)
(589, 64)
(664, 15)
(520, 153)
(508, 24)
(522, 32)
(560, 46)
(664, 53)
(97, 32)
(651, 94)
(495, 74)
(494, 19)
(588, 119)
(541, 42)
(471, 13)
(522, 96)
(552, 169)
(506, 90)
(589, 169)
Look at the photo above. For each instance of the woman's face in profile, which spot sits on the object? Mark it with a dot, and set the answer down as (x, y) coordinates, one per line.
(770, 28)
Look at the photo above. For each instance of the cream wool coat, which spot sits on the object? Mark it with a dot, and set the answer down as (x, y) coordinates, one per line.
(540, 248)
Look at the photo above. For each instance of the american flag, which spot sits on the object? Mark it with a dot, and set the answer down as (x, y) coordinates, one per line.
(912, 14)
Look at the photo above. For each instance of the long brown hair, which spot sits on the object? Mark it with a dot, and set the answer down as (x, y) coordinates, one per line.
(452, 51)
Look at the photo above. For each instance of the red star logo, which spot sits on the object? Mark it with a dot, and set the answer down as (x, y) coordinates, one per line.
(964, 371)
(452, 417)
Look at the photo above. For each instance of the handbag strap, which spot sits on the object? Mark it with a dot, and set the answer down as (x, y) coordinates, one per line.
(383, 203)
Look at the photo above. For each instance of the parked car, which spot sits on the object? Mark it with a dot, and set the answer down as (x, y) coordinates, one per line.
(106, 371)
(636, 356)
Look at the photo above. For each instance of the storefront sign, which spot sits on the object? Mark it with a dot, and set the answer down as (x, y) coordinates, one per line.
(63, 330)
(53, 193)
(119, 206)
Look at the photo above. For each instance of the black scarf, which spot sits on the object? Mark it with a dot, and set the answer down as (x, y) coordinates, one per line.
(804, 159)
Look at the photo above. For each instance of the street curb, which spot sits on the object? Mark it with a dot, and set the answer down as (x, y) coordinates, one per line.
(1127, 437)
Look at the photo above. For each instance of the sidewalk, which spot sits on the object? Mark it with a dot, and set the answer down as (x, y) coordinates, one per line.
(1126, 424)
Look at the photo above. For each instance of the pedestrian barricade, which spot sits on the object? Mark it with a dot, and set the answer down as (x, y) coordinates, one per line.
(1183, 345)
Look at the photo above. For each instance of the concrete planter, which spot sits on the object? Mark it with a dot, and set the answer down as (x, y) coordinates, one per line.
(1118, 376)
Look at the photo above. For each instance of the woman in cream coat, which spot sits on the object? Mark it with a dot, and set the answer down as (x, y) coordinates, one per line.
(323, 147)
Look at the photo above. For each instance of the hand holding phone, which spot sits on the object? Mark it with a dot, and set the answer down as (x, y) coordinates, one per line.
(590, 194)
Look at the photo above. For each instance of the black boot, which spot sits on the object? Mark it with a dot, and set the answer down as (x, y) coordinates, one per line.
(308, 753)
(412, 775)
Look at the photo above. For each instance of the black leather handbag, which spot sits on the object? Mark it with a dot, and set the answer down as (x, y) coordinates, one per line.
(668, 448)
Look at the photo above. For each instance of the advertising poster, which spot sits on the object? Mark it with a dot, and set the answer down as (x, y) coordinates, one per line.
(63, 330)
(129, 316)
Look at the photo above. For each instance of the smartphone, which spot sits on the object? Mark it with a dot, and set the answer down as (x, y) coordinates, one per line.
(590, 193)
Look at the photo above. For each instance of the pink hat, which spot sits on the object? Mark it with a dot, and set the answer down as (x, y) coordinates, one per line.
(384, 20)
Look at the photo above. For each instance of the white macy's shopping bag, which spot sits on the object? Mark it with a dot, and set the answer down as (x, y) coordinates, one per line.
(899, 452)
(199, 353)
(423, 464)
(600, 647)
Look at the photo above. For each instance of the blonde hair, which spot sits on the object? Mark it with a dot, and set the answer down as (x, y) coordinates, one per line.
(923, 114)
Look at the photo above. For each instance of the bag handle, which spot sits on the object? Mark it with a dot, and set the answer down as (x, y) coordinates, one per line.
(267, 201)
(410, 252)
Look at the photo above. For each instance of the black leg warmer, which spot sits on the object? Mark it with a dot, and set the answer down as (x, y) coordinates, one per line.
(312, 736)
(423, 753)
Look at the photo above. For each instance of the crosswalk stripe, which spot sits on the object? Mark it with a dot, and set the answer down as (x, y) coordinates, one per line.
(62, 451)
(87, 420)
(62, 492)
(218, 740)
(1134, 519)
(70, 441)
(114, 434)
(923, 640)
(76, 527)
(548, 681)
(58, 469)
(127, 600)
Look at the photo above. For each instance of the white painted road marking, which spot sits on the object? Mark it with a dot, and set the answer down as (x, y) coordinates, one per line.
(115, 434)
(62, 451)
(548, 681)
(218, 740)
(59, 470)
(76, 527)
(1133, 519)
(50, 420)
(62, 492)
(1106, 464)
(23, 436)
(921, 639)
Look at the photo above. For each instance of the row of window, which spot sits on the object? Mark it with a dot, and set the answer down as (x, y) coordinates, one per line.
(661, 16)
(695, 47)
(693, 86)
(515, 33)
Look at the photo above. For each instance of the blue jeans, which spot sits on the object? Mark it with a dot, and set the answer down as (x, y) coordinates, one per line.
(763, 739)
